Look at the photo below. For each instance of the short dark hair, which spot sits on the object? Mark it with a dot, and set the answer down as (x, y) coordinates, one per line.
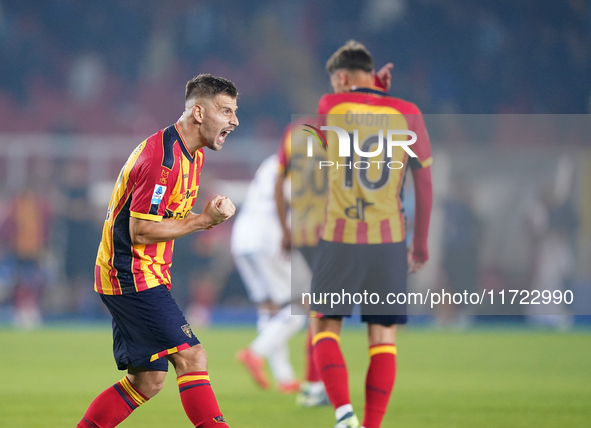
(351, 56)
(208, 86)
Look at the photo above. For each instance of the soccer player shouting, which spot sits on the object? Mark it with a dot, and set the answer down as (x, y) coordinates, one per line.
(362, 246)
(150, 207)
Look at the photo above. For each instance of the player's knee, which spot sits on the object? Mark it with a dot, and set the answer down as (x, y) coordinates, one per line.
(380, 334)
(153, 388)
(320, 325)
(148, 383)
(193, 359)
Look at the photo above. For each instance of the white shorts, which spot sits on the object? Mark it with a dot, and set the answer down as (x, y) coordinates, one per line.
(270, 277)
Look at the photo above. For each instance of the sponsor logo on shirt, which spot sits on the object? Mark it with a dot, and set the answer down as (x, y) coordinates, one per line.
(189, 193)
(158, 194)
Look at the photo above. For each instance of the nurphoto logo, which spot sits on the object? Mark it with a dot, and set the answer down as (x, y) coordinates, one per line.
(350, 142)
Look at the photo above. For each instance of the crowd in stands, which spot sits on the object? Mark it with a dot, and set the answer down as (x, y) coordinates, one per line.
(119, 66)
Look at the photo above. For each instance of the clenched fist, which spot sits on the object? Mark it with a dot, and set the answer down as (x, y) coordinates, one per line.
(219, 209)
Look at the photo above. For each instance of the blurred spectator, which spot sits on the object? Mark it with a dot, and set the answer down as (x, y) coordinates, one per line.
(7, 264)
(552, 223)
(27, 229)
(191, 265)
(82, 235)
(462, 240)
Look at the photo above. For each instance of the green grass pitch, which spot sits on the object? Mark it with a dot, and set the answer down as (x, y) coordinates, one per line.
(477, 378)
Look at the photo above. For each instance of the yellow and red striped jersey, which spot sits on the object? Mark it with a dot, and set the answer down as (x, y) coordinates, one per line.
(308, 184)
(159, 180)
(364, 206)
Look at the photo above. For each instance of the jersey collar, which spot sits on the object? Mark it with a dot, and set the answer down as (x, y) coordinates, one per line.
(177, 135)
(373, 91)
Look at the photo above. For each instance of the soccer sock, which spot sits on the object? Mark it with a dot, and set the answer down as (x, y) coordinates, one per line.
(379, 383)
(263, 318)
(112, 406)
(199, 400)
(280, 365)
(282, 326)
(331, 367)
(311, 372)
(315, 388)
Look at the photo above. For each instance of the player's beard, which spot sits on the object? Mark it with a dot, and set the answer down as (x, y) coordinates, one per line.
(214, 145)
(212, 139)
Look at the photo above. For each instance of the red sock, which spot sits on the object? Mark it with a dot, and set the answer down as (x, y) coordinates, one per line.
(379, 383)
(112, 406)
(331, 367)
(199, 401)
(311, 372)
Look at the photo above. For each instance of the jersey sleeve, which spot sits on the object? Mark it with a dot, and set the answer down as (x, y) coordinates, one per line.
(153, 186)
(422, 147)
(421, 173)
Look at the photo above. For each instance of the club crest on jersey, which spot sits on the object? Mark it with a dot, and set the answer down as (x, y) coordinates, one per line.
(158, 194)
(187, 330)
(164, 177)
(219, 419)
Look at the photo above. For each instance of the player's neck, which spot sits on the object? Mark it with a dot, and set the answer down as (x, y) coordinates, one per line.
(189, 135)
(358, 79)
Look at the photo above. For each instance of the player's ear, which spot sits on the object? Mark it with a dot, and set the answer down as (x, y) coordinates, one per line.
(343, 77)
(197, 113)
(338, 80)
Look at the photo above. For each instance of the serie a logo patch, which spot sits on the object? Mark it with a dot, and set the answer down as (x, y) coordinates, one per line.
(158, 194)
(187, 330)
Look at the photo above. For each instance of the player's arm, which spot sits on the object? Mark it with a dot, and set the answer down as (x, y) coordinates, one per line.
(145, 232)
(423, 184)
(419, 253)
(383, 77)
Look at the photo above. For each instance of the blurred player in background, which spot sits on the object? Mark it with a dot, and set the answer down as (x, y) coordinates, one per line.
(306, 205)
(150, 207)
(267, 274)
(362, 245)
(300, 229)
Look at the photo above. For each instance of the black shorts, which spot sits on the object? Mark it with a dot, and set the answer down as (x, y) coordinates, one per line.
(365, 274)
(147, 326)
(308, 253)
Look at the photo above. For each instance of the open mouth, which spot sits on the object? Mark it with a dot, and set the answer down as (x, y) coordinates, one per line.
(222, 136)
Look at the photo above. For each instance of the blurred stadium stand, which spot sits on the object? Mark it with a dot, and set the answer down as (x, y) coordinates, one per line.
(119, 66)
(82, 83)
